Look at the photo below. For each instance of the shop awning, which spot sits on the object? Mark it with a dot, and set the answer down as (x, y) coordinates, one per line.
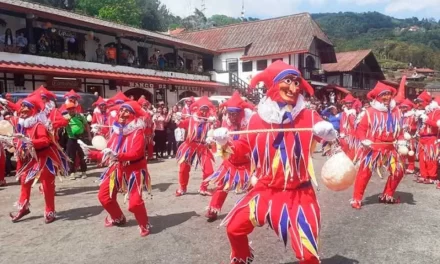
(341, 89)
(27, 68)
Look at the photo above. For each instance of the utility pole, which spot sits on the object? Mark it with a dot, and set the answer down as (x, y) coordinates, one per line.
(203, 6)
(242, 11)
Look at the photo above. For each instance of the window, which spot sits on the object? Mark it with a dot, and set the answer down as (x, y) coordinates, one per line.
(261, 65)
(247, 66)
(274, 60)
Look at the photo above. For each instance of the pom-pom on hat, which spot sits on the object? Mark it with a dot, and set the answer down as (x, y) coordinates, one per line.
(100, 102)
(278, 70)
(349, 99)
(379, 89)
(43, 92)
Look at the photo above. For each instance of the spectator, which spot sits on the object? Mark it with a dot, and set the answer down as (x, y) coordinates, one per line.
(75, 129)
(22, 41)
(130, 58)
(161, 62)
(160, 135)
(171, 126)
(100, 54)
(111, 54)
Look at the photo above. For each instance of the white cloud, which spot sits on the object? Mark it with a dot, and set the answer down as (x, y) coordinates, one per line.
(260, 8)
(396, 6)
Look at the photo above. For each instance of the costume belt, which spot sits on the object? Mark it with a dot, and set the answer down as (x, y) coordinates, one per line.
(131, 162)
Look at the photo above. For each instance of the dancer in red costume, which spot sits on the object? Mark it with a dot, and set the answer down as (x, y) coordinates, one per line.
(234, 173)
(195, 148)
(100, 124)
(38, 157)
(114, 103)
(348, 118)
(186, 111)
(127, 168)
(409, 125)
(378, 131)
(72, 97)
(428, 130)
(283, 197)
(149, 126)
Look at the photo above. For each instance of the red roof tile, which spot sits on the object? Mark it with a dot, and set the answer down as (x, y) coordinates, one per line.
(281, 35)
(64, 16)
(99, 74)
(347, 61)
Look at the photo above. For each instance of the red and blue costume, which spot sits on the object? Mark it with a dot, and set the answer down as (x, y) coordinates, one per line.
(195, 149)
(379, 130)
(283, 197)
(127, 169)
(348, 141)
(234, 173)
(100, 119)
(149, 126)
(38, 158)
(409, 125)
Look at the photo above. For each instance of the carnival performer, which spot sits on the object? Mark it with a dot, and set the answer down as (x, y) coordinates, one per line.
(347, 130)
(114, 103)
(100, 125)
(127, 167)
(409, 126)
(149, 126)
(72, 97)
(186, 111)
(38, 157)
(378, 131)
(234, 174)
(427, 129)
(283, 196)
(195, 148)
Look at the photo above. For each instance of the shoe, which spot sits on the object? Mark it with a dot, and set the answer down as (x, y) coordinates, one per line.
(72, 176)
(15, 218)
(84, 175)
(409, 171)
(169, 157)
(117, 222)
(388, 199)
(145, 231)
(428, 181)
(180, 192)
(212, 216)
(356, 204)
(205, 192)
(50, 217)
(3, 183)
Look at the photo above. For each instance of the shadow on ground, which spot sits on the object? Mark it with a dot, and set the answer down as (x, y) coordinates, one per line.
(80, 213)
(77, 190)
(337, 259)
(162, 187)
(162, 222)
(406, 198)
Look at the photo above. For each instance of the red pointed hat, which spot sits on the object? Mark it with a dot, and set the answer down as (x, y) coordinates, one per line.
(142, 101)
(407, 103)
(203, 101)
(133, 107)
(119, 98)
(349, 99)
(100, 101)
(237, 102)
(35, 102)
(276, 72)
(399, 99)
(72, 94)
(424, 97)
(379, 89)
(43, 92)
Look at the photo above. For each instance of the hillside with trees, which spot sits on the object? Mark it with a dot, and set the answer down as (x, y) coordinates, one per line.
(396, 42)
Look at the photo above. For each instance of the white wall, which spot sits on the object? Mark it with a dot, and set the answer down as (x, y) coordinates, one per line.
(14, 23)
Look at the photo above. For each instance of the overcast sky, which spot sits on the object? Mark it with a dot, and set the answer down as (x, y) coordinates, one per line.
(274, 8)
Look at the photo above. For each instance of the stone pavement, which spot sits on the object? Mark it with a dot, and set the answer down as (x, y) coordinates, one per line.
(404, 233)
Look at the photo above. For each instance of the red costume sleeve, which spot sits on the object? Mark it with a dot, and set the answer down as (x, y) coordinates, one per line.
(362, 128)
(432, 119)
(41, 138)
(57, 119)
(184, 124)
(138, 148)
(95, 155)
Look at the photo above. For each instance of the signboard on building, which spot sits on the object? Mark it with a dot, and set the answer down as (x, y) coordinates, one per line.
(145, 85)
(64, 84)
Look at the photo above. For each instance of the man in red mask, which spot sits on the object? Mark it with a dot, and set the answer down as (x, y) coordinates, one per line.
(149, 126)
(127, 168)
(410, 127)
(428, 130)
(195, 148)
(234, 173)
(378, 130)
(72, 97)
(38, 157)
(283, 197)
(347, 129)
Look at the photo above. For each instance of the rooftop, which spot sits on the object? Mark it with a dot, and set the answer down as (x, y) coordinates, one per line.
(347, 61)
(276, 36)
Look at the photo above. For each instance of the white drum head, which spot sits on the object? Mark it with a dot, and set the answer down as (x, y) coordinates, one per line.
(338, 172)
(99, 142)
(6, 128)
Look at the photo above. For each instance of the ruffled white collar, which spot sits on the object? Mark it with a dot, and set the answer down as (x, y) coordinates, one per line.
(272, 113)
(381, 107)
(29, 122)
(410, 113)
(130, 128)
(431, 107)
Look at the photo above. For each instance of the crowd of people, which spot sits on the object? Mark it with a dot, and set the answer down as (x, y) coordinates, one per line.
(266, 150)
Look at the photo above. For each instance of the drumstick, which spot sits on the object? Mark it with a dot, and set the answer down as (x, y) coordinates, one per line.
(269, 130)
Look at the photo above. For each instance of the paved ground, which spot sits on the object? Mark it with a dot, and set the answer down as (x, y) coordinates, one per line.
(404, 233)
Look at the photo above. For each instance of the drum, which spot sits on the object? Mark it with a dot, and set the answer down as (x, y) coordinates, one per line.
(6, 128)
(99, 142)
(338, 172)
